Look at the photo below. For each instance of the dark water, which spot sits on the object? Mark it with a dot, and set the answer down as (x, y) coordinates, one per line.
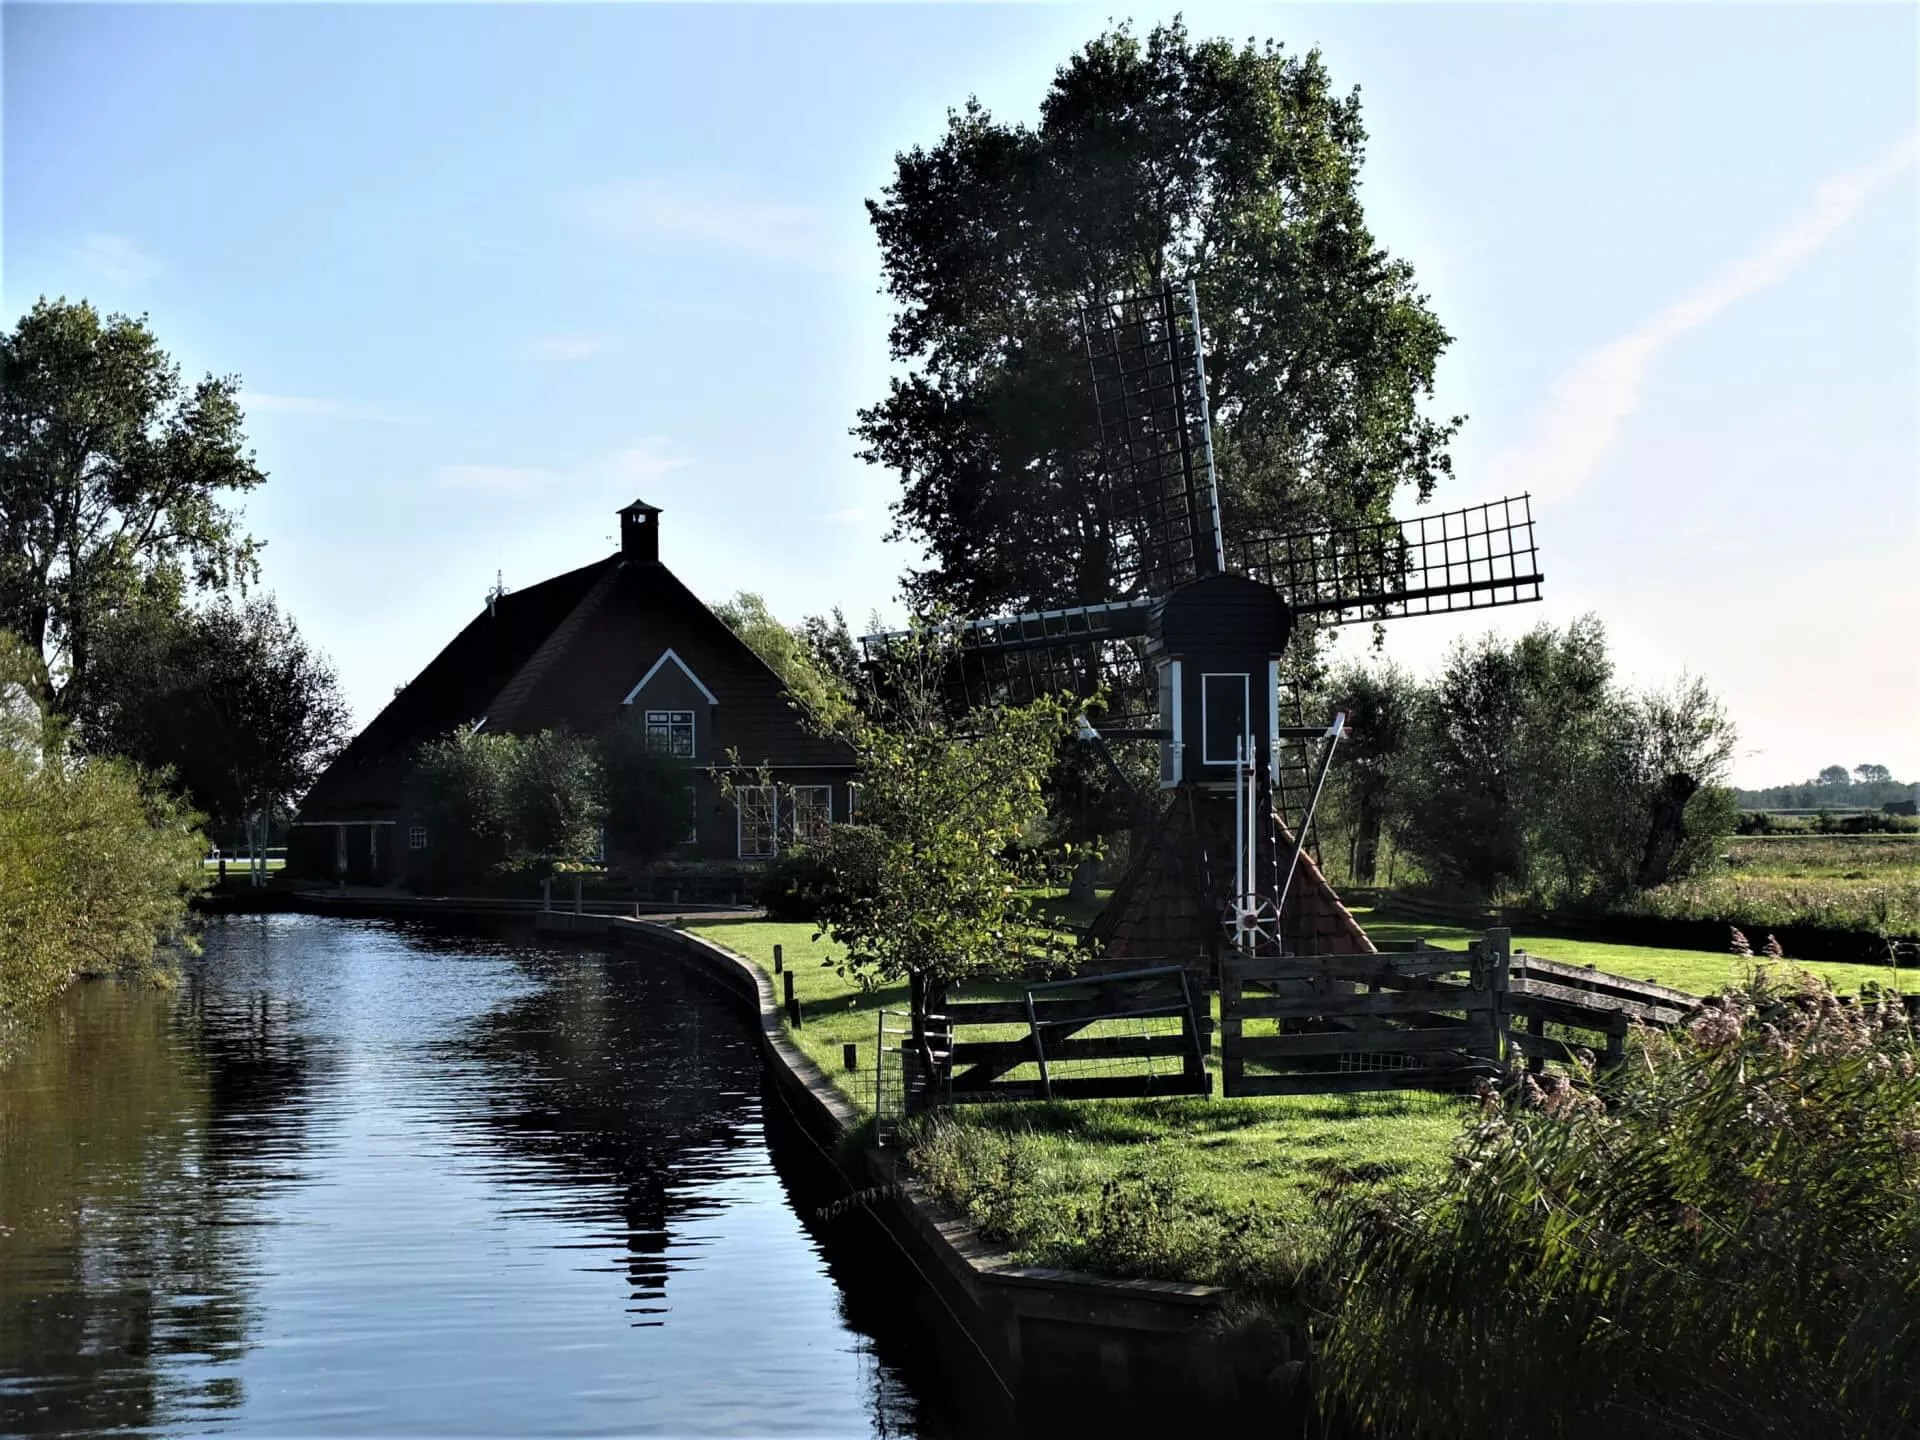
(362, 1179)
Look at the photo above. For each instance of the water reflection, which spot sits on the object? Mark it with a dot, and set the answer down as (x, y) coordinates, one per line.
(139, 1130)
(359, 1178)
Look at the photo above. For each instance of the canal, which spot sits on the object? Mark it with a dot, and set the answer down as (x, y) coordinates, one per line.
(365, 1178)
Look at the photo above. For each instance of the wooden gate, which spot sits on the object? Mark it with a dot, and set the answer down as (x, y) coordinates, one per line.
(1137, 1032)
(1421, 1019)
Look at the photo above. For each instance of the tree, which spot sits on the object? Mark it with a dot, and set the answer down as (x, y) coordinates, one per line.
(458, 786)
(113, 478)
(1834, 775)
(811, 659)
(96, 862)
(925, 888)
(1872, 774)
(1236, 166)
(555, 795)
(648, 808)
(1379, 705)
(1686, 745)
(230, 699)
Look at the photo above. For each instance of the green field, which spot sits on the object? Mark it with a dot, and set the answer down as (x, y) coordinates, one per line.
(1852, 882)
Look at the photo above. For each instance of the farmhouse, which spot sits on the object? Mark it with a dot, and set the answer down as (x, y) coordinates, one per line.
(578, 652)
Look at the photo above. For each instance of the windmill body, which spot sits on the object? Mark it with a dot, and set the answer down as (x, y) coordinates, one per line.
(1188, 653)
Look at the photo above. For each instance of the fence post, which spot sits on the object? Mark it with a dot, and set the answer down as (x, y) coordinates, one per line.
(576, 894)
(1232, 1063)
(793, 1002)
(1496, 954)
(546, 892)
(779, 963)
(850, 1055)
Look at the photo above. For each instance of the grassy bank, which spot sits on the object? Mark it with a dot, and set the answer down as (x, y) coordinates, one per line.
(1195, 1188)
(1860, 882)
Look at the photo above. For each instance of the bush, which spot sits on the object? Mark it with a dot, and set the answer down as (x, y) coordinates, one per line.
(1724, 1238)
(795, 884)
(96, 859)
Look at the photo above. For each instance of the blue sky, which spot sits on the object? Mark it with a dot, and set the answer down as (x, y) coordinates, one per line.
(490, 272)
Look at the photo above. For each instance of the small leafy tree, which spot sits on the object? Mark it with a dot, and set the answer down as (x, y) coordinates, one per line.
(645, 793)
(96, 862)
(811, 659)
(458, 787)
(926, 887)
(555, 795)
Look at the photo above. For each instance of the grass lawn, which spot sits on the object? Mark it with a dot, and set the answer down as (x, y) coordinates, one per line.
(1700, 971)
(1228, 1188)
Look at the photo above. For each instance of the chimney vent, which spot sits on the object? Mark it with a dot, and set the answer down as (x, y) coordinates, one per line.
(640, 533)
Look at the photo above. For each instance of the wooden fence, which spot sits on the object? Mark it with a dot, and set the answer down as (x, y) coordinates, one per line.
(1153, 1038)
(1423, 1018)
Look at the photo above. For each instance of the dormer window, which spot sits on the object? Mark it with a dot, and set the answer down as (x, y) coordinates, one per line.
(670, 732)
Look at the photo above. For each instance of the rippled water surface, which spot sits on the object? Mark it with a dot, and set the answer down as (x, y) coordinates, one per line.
(357, 1178)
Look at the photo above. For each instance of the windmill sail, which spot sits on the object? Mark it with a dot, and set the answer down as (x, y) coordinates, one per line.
(1150, 384)
(1467, 559)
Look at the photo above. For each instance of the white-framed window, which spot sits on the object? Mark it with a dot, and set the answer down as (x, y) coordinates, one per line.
(671, 732)
(692, 835)
(853, 801)
(812, 813)
(417, 838)
(1223, 716)
(759, 819)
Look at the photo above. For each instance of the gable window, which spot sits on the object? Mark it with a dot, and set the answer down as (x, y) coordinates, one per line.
(417, 838)
(812, 813)
(671, 732)
(759, 811)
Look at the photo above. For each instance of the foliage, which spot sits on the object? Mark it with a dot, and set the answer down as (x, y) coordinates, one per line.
(1237, 166)
(1762, 822)
(555, 795)
(924, 886)
(96, 862)
(815, 660)
(1526, 769)
(644, 793)
(1868, 786)
(1724, 1238)
(457, 785)
(1885, 905)
(230, 699)
(113, 481)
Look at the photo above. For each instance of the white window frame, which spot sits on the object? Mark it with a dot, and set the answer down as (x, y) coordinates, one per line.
(416, 837)
(666, 727)
(692, 835)
(1207, 757)
(821, 798)
(756, 795)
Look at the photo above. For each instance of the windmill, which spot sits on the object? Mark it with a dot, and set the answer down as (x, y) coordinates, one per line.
(1190, 647)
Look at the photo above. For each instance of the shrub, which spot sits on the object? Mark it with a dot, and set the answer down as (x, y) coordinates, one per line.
(96, 859)
(1723, 1239)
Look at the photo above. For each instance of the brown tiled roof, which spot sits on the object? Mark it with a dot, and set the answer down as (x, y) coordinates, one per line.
(454, 690)
(579, 679)
(563, 655)
(1171, 903)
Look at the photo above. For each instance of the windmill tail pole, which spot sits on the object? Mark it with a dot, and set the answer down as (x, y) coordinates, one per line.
(1334, 732)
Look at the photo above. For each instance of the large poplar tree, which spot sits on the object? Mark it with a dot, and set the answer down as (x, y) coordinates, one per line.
(1236, 165)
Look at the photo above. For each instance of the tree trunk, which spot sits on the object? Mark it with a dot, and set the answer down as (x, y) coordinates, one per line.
(1667, 828)
(923, 998)
(1366, 842)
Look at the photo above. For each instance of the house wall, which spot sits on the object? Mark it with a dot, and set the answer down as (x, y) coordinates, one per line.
(670, 689)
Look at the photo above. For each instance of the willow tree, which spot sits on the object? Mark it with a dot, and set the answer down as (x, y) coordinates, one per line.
(1236, 165)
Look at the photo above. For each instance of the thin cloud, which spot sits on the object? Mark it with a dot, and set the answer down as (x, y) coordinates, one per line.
(567, 348)
(710, 217)
(1590, 405)
(117, 259)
